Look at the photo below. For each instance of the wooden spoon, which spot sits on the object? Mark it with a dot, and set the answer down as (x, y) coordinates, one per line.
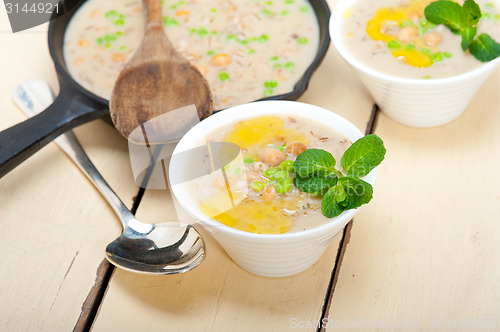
(156, 80)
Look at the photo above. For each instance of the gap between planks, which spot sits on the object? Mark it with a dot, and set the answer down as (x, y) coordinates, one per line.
(346, 235)
(105, 270)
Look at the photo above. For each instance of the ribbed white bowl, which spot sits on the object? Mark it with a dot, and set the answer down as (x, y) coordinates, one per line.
(414, 102)
(267, 255)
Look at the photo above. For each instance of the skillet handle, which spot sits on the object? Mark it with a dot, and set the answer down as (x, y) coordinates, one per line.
(68, 111)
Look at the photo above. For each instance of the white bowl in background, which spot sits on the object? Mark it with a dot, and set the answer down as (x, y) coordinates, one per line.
(413, 102)
(270, 255)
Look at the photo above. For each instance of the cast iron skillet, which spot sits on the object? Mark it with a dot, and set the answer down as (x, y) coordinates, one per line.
(75, 105)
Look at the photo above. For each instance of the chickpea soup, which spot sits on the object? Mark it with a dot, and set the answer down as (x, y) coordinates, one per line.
(256, 194)
(394, 37)
(247, 50)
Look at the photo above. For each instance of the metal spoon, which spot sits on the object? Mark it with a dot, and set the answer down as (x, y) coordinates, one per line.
(166, 248)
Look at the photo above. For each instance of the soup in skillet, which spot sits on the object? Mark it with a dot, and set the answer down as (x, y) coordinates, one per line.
(247, 50)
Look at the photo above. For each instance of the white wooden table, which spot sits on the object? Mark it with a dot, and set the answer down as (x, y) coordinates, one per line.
(423, 255)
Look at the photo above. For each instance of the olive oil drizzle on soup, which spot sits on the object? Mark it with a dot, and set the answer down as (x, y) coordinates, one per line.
(257, 195)
(247, 50)
(393, 36)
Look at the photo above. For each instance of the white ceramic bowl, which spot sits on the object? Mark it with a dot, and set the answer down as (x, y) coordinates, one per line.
(414, 102)
(271, 255)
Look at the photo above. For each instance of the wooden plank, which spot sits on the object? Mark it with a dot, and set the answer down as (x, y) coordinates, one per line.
(216, 296)
(55, 225)
(424, 254)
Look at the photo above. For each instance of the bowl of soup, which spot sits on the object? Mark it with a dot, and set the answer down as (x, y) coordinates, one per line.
(247, 51)
(415, 70)
(262, 221)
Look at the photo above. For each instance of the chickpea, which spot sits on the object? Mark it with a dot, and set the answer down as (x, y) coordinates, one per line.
(432, 38)
(220, 60)
(407, 34)
(271, 156)
(296, 148)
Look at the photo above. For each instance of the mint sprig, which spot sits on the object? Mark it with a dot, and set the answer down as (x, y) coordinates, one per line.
(462, 20)
(315, 173)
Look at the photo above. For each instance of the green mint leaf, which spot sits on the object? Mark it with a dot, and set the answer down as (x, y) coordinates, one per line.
(315, 162)
(468, 35)
(471, 13)
(363, 155)
(484, 48)
(358, 192)
(348, 193)
(329, 206)
(314, 184)
(340, 195)
(448, 13)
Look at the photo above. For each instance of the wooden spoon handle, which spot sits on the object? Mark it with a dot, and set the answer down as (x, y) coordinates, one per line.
(153, 10)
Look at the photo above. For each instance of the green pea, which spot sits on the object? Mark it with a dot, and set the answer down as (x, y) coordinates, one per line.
(426, 77)
(283, 186)
(425, 51)
(279, 175)
(123, 48)
(249, 160)
(268, 92)
(284, 12)
(211, 52)
(410, 47)
(110, 37)
(213, 10)
(288, 2)
(230, 37)
(486, 16)
(304, 9)
(202, 32)
(447, 55)
(408, 23)
(287, 165)
(170, 21)
(257, 185)
(290, 66)
(223, 76)
(263, 38)
(99, 41)
(119, 33)
(250, 51)
(267, 12)
(270, 83)
(111, 14)
(269, 3)
(274, 58)
(302, 41)
(423, 22)
(497, 17)
(268, 173)
(281, 147)
(119, 22)
(393, 44)
(278, 65)
(437, 57)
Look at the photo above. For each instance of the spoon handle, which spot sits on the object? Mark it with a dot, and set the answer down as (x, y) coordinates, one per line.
(153, 10)
(38, 90)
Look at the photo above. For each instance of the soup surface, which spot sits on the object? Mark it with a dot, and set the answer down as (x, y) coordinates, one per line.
(255, 193)
(394, 37)
(247, 50)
